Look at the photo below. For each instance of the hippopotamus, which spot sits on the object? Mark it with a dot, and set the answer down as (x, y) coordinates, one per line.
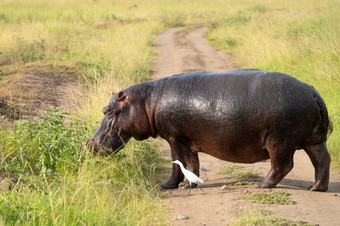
(241, 116)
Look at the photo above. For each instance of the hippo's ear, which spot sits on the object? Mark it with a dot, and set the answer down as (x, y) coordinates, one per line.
(121, 96)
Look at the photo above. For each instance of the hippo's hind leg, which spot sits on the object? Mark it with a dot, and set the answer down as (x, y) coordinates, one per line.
(281, 159)
(320, 158)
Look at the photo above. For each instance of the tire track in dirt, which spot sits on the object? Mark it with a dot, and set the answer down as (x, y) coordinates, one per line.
(183, 50)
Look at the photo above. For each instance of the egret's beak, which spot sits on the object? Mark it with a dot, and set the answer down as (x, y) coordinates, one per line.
(172, 162)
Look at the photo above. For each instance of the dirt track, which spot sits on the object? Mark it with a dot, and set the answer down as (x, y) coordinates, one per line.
(183, 50)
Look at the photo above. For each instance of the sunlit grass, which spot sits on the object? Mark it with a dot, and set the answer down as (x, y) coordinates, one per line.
(54, 180)
(264, 217)
(239, 172)
(277, 198)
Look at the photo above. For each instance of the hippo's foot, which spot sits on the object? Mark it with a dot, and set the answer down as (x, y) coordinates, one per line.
(258, 185)
(317, 187)
(263, 185)
(169, 186)
(186, 184)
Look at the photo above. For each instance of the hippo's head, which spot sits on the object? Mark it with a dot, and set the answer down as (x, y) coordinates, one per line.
(125, 117)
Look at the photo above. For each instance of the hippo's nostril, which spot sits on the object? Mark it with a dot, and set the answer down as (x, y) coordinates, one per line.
(91, 145)
(105, 110)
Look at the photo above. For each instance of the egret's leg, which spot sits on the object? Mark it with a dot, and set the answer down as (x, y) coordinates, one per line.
(206, 178)
(201, 188)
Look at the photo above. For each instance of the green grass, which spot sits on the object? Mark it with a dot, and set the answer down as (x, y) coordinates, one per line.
(238, 172)
(241, 183)
(277, 198)
(59, 182)
(263, 217)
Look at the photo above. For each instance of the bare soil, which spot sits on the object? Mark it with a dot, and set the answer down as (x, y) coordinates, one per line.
(185, 49)
(27, 91)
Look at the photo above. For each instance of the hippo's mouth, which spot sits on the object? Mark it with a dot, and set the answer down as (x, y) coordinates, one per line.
(108, 144)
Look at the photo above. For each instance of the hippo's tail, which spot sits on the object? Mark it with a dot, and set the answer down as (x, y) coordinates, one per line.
(325, 126)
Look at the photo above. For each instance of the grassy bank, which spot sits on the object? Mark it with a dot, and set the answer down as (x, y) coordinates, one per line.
(53, 180)
(298, 38)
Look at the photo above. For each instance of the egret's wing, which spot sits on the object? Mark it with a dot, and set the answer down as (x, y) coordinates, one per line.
(192, 177)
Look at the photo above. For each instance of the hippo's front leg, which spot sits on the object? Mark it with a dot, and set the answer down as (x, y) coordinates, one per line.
(177, 176)
(184, 154)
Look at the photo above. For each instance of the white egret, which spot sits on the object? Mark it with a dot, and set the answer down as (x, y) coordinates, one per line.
(191, 177)
(204, 169)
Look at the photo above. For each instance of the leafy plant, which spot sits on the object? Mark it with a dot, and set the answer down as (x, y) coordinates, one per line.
(3, 18)
(241, 183)
(278, 198)
(263, 217)
(53, 143)
(239, 172)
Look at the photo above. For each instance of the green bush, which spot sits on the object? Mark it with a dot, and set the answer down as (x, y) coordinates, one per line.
(60, 183)
(52, 144)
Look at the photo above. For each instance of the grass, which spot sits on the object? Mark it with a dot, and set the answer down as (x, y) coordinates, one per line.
(263, 217)
(238, 172)
(277, 198)
(241, 183)
(57, 182)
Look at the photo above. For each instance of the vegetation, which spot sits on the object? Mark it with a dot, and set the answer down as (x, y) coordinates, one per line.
(263, 217)
(241, 183)
(53, 179)
(239, 172)
(278, 198)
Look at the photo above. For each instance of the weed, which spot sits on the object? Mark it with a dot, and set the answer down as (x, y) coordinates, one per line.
(52, 144)
(3, 18)
(259, 8)
(241, 183)
(61, 183)
(237, 20)
(263, 217)
(231, 42)
(111, 17)
(120, 190)
(239, 172)
(277, 198)
(173, 21)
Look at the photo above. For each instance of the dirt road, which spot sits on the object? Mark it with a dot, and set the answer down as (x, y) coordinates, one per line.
(183, 50)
